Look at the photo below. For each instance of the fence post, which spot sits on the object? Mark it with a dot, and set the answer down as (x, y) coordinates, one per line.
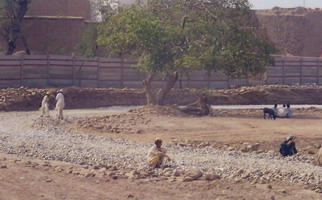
(208, 80)
(22, 63)
(283, 69)
(247, 80)
(301, 71)
(73, 67)
(47, 70)
(228, 82)
(122, 71)
(188, 81)
(318, 71)
(98, 72)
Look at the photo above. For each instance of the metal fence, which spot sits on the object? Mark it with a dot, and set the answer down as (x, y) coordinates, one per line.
(63, 71)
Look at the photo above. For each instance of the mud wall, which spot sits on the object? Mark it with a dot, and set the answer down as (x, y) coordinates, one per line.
(295, 31)
(74, 8)
(52, 35)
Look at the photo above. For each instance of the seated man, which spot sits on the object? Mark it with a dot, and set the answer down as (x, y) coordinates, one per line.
(281, 112)
(157, 154)
(287, 147)
(289, 111)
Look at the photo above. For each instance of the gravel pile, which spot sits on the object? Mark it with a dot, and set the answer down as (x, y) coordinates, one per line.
(126, 123)
(51, 142)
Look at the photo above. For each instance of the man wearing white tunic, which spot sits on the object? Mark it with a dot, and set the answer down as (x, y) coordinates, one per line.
(281, 112)
(45, 105)
(289, 111)
(60, 104)
(157, 154)
(285, 111)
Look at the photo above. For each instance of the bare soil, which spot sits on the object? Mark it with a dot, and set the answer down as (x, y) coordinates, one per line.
(225, 129)
(23, 178)
(36, 179)
(26, 178)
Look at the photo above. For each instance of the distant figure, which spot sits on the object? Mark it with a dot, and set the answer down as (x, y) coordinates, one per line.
(287, 147)
(281, 112)
(289, 111)
(157, 155)
(275, 108)
(44, 109)
(60, 104)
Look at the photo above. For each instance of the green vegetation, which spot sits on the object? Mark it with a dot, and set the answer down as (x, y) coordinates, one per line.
(172, 37)
(12, 13)
(87, 46)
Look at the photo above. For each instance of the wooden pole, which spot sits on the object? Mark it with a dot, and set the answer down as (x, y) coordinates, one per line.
(98, 73)
(21, 69)
(47, 70)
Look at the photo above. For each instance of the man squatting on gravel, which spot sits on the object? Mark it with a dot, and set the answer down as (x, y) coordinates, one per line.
(287, 147)
(157, 154)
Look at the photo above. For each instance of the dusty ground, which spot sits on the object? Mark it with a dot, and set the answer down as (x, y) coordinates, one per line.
(226, 129)
(23, 178)
(26, 178)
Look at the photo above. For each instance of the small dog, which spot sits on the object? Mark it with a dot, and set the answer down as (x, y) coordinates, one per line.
(271, 113)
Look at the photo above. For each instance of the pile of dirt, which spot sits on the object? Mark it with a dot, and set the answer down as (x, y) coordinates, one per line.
(17, 99)
(135, 121)
(24, 98)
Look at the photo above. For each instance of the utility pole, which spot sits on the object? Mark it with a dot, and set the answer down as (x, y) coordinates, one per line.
(304, 3)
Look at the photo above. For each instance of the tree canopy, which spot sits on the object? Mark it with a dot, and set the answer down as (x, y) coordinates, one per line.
(180, 36)
(12, 13)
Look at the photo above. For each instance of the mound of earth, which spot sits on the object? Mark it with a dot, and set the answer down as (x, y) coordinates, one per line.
(22, 99)
(135, 121)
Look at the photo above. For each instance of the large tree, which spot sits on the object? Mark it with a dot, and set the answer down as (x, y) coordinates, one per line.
(171, 37)
(12, 13)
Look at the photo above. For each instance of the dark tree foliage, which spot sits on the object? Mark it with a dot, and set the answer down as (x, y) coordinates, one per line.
(12, 13)
(171, 37)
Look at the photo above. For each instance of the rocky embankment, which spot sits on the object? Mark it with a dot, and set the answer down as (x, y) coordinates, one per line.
(117, 158)
(15, 99)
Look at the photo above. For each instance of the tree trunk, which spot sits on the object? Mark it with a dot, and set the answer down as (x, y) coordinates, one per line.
(163, 92)
(25, 44)
(11, 45)
(147, 88)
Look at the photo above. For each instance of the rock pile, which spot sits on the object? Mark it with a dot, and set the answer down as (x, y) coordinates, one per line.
(118, 158)
(24, 98)
(128, 123)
